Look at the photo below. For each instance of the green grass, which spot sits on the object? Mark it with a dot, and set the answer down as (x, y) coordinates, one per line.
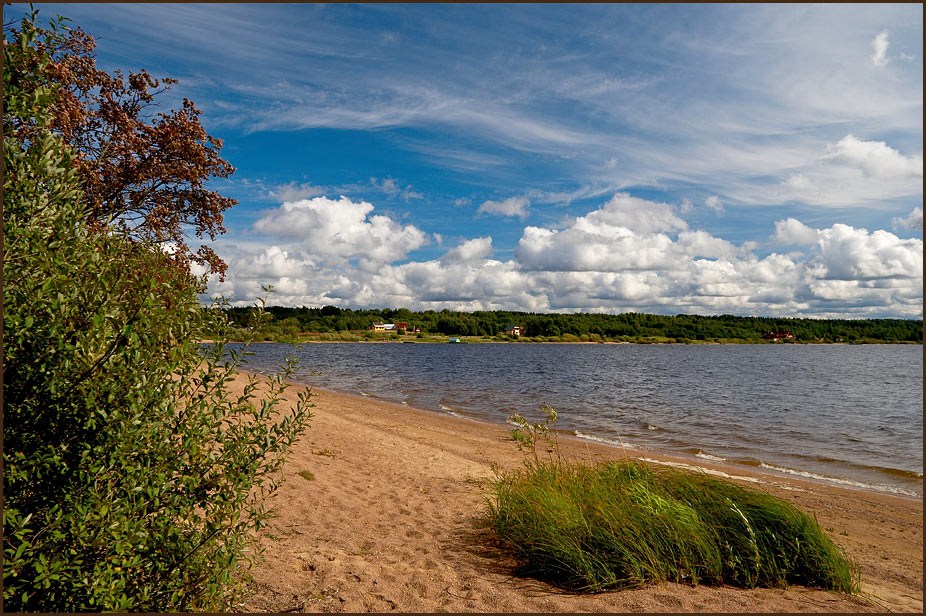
(623, 524)
(307, 475)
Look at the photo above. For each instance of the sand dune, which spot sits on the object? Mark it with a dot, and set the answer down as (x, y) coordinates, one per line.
(391, 522)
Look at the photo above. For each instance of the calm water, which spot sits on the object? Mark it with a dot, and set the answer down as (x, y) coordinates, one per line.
(852, 415)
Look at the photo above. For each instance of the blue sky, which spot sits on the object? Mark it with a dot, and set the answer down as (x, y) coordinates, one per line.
(708, 159)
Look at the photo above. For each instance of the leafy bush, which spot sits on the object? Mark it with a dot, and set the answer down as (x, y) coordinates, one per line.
(133, 479)
(623, 524)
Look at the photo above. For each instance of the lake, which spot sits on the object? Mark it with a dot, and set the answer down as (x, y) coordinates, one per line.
(850, 415)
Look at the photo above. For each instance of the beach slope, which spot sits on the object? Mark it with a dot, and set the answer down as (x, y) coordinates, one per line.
(381, 508)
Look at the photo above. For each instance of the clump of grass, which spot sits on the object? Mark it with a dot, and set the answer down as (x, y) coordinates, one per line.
(307, 475)
(616, 525)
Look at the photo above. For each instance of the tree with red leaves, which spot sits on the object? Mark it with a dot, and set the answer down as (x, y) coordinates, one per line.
(143, 173)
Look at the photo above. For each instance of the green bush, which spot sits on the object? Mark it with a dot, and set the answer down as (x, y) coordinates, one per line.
(622, 524)
(133, 479)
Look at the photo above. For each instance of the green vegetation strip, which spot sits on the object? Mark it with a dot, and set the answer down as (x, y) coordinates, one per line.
(623, 524)
(330, 323)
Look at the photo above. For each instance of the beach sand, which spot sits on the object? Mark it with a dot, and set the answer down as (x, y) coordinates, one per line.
(391, 522)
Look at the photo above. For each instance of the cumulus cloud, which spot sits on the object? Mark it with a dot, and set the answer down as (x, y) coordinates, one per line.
(626, 233)
(608, 260)
(713, 202)
(850, 254)
(341, 230)
(793, 231)
(913, 221)
(879, 47)
(627, 212)
(469, 251)
(875, 158)
(853, 172)
(513, 206)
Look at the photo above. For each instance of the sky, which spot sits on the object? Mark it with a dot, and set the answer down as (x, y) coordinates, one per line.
(739, 159)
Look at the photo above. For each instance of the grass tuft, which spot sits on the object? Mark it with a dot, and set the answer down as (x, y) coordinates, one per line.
(623, 524)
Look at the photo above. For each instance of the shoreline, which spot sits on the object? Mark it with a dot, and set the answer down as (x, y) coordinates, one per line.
(391, 521)
(725, 468)
(784, 474)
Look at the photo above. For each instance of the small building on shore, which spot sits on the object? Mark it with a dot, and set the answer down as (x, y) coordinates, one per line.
(393, 327)
(775, 336)
(513, 330)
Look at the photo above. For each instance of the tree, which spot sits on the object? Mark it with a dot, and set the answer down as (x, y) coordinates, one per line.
(143, 173)
(132, 478)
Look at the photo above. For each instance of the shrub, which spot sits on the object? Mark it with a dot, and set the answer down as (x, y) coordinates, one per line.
(133, 479)
(622, 524)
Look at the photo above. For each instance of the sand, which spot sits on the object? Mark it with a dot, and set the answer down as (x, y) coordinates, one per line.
(391, 522)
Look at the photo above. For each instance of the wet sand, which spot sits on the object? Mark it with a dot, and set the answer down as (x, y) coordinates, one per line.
(391, 522)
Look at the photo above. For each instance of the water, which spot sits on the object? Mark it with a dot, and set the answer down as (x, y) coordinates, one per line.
(848, 415)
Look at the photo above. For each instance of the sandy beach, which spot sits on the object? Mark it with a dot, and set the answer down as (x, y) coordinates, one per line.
(390, 521)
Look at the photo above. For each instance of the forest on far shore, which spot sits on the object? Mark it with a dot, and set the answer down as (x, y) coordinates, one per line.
(332, 323)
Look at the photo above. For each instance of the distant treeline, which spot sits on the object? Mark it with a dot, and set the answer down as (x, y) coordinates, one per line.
(287, 322)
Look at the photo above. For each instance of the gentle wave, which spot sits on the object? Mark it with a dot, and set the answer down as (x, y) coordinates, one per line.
(879, 487)
(800, 407)
(449, 410)
(606, 441)
(897, 472)
(707, 456)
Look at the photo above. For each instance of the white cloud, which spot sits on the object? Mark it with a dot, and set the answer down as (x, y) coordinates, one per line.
(628, 212)
(605, 261)
(792, 231)
(849, 172)
(913, 221)
(875, 158)
(513, 206)
(295, 192)
(797, 183)
(626, 233)
(713, 202)
(469, 251)
(342, 230)
(879, 46)
(850, 254)
(273, 262)
(462, 201)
